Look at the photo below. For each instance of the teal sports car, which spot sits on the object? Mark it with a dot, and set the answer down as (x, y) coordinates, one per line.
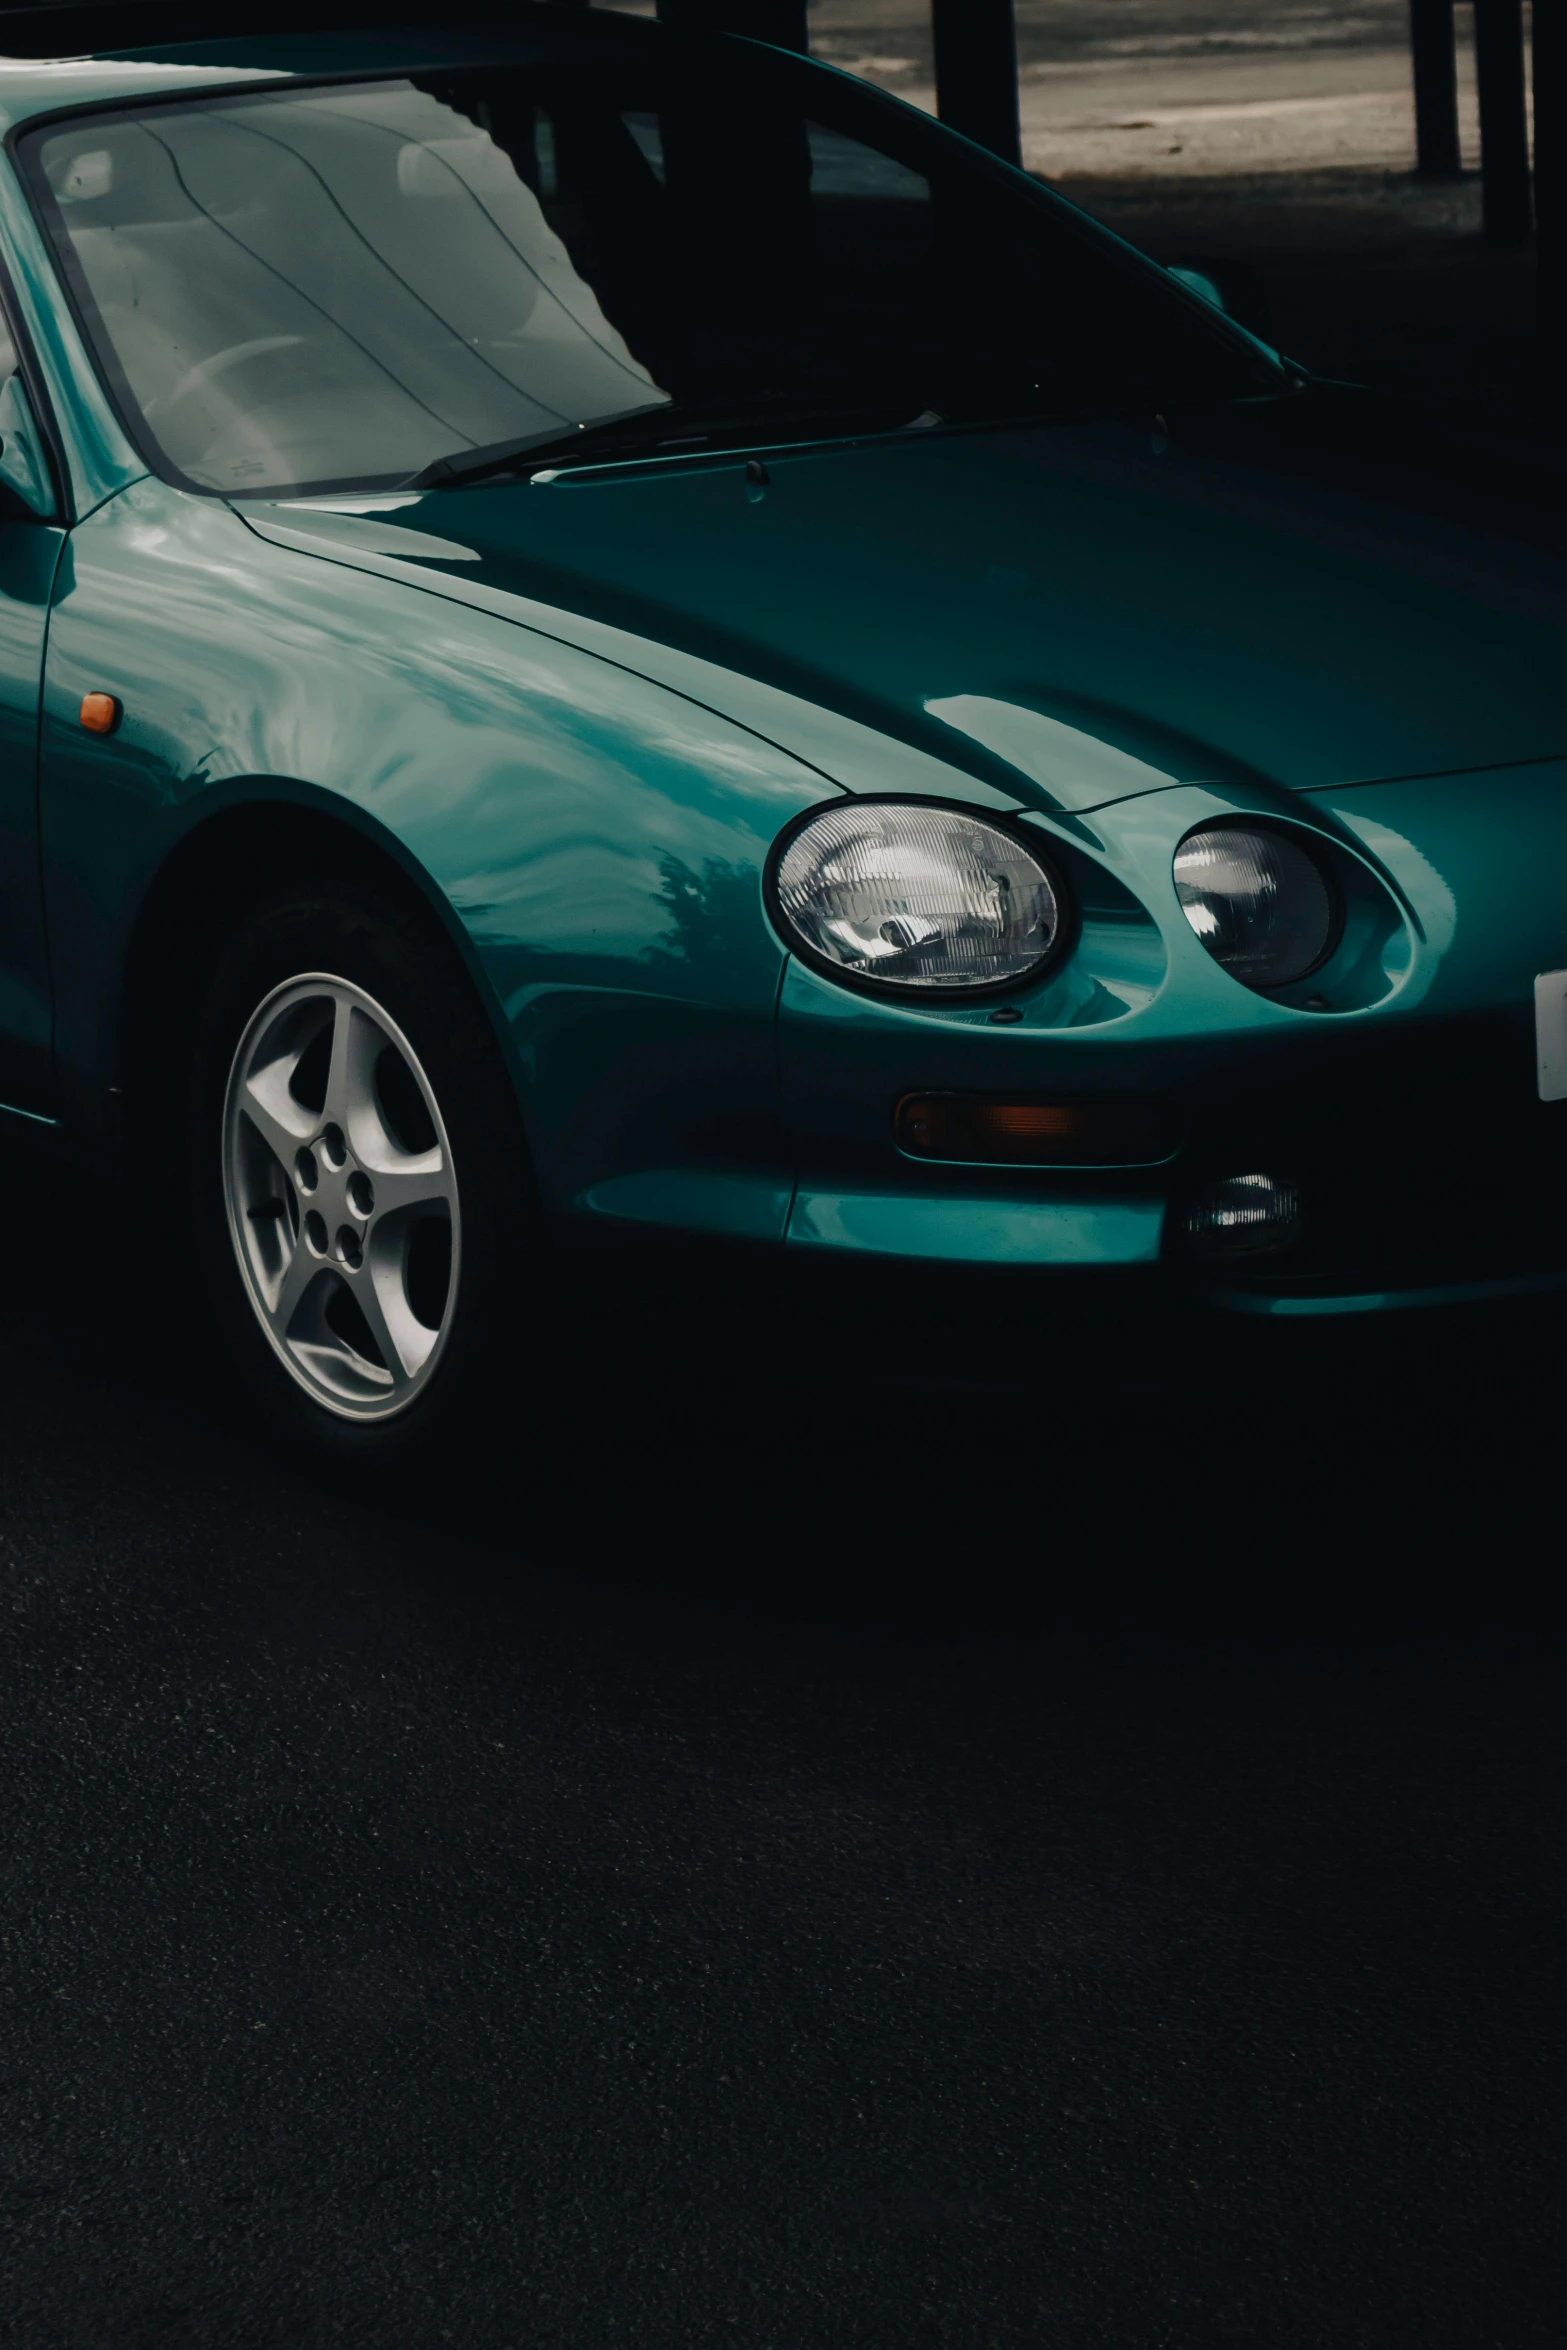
(612, 631)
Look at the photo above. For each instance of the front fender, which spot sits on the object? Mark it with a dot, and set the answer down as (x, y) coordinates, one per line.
(598, 838)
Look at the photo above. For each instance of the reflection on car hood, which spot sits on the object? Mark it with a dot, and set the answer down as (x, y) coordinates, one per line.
(1070, 614)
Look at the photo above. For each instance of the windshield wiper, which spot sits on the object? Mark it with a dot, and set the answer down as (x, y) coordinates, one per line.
(502, 456)
(688, 428)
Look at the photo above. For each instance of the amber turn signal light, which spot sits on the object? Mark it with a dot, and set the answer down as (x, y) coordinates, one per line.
(1034, 1133)
(100, 713)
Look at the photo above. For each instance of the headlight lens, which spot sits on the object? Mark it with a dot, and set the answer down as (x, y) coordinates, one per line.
(917, 896)
(1260, 904)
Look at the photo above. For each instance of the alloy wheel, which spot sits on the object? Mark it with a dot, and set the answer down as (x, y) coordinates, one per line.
(341, 1196)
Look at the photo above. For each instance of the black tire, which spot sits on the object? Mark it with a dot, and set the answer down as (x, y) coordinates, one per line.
(397, 957)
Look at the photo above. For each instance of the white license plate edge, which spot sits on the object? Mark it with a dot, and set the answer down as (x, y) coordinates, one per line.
(1550, 1035)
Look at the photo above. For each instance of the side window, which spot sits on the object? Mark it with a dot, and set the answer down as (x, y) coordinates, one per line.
(737, 246)
(649, 141)
(873, 227)
(845, 170)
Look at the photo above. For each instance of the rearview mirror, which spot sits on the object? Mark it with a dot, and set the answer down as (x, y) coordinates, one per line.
(25, 490)
(1229, 286)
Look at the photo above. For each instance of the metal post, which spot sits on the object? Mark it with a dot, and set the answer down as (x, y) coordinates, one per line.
(1435, 62)
(976, 72)
(1504, 121)
(1550, 177)
(780, 21)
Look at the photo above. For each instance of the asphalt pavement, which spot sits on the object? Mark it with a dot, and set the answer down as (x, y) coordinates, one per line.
(764, 1858)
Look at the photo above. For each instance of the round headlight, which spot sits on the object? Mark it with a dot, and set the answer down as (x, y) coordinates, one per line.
(916, 896)
(1261, 906)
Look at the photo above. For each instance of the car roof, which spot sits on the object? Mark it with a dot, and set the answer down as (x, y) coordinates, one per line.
(55, 57)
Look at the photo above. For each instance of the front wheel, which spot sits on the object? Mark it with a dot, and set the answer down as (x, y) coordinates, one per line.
(360, 1186)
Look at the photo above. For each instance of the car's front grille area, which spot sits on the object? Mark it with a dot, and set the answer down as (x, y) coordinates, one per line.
(1422, 1157)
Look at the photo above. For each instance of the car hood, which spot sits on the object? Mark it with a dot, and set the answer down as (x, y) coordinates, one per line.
(1070, 613)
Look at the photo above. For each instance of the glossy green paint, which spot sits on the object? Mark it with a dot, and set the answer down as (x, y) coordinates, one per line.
(973, 1228)
(30, 543)
(1480, 859)
(99, 457)
(594, 841)
(1067, 616)
(579, 711)
(1140, 1007)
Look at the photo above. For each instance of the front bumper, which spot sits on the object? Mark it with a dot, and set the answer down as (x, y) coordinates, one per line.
(1428, 1170)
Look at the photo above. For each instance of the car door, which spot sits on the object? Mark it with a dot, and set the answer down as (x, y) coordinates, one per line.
(31, 538)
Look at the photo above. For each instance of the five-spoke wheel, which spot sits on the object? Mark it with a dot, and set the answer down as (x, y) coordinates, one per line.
(341, 1196)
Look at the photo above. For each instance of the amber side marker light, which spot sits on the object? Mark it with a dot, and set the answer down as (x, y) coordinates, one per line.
(1034, 1133)
(100, 713)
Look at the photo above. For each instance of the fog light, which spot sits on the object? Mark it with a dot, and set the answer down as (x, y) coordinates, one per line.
(1244, 1216)
(1034, 1133)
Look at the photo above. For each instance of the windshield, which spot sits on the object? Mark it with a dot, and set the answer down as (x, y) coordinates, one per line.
(344, 285)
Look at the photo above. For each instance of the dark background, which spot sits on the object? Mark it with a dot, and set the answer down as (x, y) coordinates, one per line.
(1280, 134)
(781, 1849)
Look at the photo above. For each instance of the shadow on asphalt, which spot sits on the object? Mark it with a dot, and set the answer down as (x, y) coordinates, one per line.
(732, 1438)
(773, 1861)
